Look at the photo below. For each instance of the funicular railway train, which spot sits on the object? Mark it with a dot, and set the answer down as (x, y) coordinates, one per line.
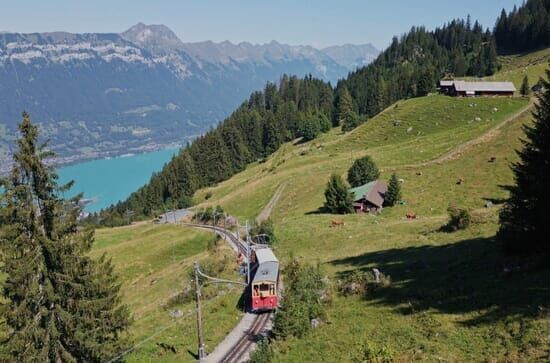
(265, 279)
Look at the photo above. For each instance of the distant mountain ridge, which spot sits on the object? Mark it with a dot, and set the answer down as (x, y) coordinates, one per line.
(98, 94)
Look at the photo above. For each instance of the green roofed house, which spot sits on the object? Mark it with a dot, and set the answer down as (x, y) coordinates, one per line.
(369, 198)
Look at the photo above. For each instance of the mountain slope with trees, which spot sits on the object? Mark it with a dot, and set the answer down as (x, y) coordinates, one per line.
(294, 108)
(413, 64)
(524, 29)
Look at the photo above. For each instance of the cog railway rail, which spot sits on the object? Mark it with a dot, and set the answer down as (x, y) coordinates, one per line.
(243, 345)
(261, 292)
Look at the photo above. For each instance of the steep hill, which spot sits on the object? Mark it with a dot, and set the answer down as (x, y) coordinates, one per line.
(449, 297)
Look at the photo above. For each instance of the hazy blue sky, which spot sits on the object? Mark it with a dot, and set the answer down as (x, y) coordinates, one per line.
(314, 22)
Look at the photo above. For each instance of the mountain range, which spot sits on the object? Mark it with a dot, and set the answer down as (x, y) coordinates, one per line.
(100, 94)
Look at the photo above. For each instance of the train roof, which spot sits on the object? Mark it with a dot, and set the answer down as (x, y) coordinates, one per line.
(268, 265)
(267, 271)
(265, 255)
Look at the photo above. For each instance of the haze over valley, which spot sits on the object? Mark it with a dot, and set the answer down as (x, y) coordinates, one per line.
(99, 94)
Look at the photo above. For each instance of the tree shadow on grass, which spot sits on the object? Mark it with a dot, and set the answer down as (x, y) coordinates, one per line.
(463, 277)
(320, 210)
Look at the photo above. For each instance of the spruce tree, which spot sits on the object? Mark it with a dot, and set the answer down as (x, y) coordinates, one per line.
(525, 90)
(363, 171)
(393, 195)
(524, 226)
(60, 305)
(338, 198)
(344, 107)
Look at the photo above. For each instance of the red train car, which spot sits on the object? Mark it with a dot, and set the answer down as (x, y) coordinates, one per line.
(264, 284)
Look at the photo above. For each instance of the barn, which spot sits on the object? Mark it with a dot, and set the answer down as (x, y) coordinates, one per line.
(471, 89)
(369, 198)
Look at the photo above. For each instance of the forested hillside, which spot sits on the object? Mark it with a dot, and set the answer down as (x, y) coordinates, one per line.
(412, 64)
(409, 67)
(524, 29)
(278, 114)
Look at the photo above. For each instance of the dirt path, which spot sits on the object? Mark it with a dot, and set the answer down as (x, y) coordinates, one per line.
(266, 212)
(462, 148)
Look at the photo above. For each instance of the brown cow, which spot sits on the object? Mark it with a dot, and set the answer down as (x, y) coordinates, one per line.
(411, 215)
(337, 223)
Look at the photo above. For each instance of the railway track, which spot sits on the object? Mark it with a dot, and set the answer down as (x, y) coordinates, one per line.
(252, 336)
(242, 347)
(236, 243)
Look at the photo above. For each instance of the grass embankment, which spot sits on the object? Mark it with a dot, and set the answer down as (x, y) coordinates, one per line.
(450, 298)
(154, 263)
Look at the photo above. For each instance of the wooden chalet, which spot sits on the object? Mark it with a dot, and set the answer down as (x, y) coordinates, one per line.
(471, 89)
(369, 198)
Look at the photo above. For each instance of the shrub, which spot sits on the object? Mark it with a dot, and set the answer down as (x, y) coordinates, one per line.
(208, 195)
(360, 283)
(459, 218)
(309, 128)
(263, 352)
(363, 171)
(304, 290)
(351, 121)
(264, 228)
(373, 354)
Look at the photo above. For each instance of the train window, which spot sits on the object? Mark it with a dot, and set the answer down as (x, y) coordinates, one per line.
(272, 289)
(256, 292)
(264, 287)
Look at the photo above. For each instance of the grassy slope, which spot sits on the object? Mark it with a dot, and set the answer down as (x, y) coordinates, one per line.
(449, 298)
(515, 67)
(154, 264)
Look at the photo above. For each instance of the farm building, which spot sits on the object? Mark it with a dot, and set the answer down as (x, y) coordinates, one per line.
(469, 89)
(369, 198)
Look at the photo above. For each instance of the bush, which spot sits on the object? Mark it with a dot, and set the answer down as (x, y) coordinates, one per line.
(309, 128)
(372, 354)
(359, 283)
(263, 352)
(458, 219)
(351, 121)
(304, 291)
(363, 171)
(264, 228)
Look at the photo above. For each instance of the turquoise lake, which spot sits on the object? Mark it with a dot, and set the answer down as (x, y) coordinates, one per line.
(107, 181)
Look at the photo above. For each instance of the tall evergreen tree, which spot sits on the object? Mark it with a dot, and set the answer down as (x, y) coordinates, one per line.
(344, 107)
(525, 90)
(363, 171)
(338, 198)
(524, 223)
(60, 304)
(393, 195)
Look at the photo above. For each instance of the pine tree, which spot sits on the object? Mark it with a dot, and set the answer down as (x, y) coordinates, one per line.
(363, 171)
(525, 90)
(524, 223)
(309, 128)
(344, 107)
(60, 304)
(350, 122)
(338, 198)
(393, 195)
